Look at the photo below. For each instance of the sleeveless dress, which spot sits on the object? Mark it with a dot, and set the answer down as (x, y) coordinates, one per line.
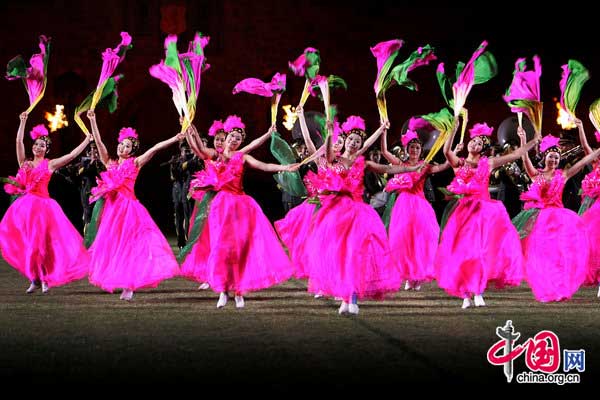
(347, 249)
(36, 237)
(479, 244)
(129, 250)
(413, 231)
(554, 241)
(237, 248)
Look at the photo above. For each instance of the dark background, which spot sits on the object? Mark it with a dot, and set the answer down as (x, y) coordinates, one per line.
(257, 39)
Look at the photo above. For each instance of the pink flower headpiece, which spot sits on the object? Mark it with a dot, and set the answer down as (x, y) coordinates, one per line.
(597, 134)
(216, 127)
(408, 136)
(125, 133)
(38, 131)
(481, 130)
(233, 122)
(548, 142)
(354, 124)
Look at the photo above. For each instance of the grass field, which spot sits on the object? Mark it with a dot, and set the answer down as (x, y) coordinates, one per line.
(174, 333)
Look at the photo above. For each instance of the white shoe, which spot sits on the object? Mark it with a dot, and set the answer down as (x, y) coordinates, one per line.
(353, 309)
(407, 286)
(32, 288)
(479, 301)
(466, 303)
(318, 295)
(239, 301)
(598, 291)
(44, 287)
(126, 295)
(222, 300)
(204, 286)
(343, 308)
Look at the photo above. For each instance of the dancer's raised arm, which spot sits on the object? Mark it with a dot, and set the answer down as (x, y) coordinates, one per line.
(385, 125)
(256, 143)
(450, 155)
(20, 134)
(147, 156)
(269, 167)
(102, 152)
(59, 162)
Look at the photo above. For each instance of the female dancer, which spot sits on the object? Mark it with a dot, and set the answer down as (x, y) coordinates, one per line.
(237, 249)
(413, 229)
(129, 250)
(294, 228)
(348, 251)
(478, 244)
(36, 237)
(555, 245)
(197, 190)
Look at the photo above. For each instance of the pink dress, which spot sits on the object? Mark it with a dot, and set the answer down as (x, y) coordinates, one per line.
(238, 249)
(295, 227)
(479, 244)
(591, 219)
(413, 230)
(129, 250)
(348, 250)
(36, 237)
(556, 248)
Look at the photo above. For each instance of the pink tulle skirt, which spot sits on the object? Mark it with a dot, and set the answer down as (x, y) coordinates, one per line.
(293, 231)
(129, 251)
(591, 221)
(348, 251)
(556, 254)
(413, 236)
(39, 241)
(478, 245)
(238, 249)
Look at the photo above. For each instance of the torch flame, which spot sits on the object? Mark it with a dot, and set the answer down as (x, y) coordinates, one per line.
(564, 119)
(57, 120)
(290, 116)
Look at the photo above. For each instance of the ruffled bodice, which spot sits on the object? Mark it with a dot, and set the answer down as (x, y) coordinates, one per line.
(221, 174)
(543, 193)
(30, 179)
(118, 178)
(339, 179)
(590, 185)
(470, 181)
(410, 182)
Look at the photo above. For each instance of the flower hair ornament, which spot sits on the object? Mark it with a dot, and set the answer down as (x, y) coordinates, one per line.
(39, 131)
(131, 134)
(216, 127)
(549, 143)
(354, 125)
(234, 123)
(484, 132)
(408, 137)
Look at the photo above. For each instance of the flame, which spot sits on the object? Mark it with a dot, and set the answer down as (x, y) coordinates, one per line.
(564, 119)
(290, 116)
(57, 120)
